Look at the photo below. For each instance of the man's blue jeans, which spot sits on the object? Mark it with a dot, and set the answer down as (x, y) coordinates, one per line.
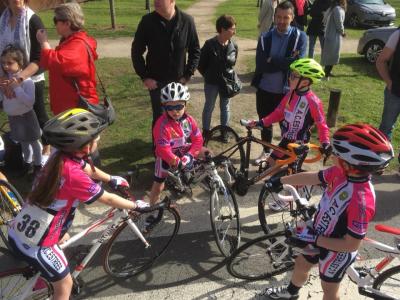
(391, 110)
(211, 92)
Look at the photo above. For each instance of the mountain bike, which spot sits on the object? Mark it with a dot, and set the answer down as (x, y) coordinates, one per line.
(270, 255)
(10, 204)
(224, 211)
(130, 247)
(231, 156)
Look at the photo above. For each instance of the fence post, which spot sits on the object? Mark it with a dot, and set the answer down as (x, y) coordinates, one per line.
(333, 108)
(112, 13)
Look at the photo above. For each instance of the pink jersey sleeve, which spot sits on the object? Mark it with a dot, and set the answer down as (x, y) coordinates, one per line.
(317, 113)
(196, 138)
(80, 186)
(278, 114)
(360, 211)
(162, 138)
(329, 174)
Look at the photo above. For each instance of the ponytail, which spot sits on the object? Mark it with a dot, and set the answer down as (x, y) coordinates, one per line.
(48, 183)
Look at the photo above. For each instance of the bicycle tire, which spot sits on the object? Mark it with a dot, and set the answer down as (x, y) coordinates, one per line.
(388, 282)
(13, 284)
(261, 258)
(126, 255)
(270, 220)
(8, 210)
(215, 143)
(224, 207)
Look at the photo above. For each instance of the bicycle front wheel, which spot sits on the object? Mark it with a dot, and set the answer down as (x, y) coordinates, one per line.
(10, 204)
(13, 285)
(261, 258)
(126, 255)
(225, 220)
(388, 283)
(221, 142)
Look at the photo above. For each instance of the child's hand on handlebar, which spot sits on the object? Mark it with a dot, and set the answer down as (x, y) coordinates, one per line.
(186, 162)
(255, 123)
(326, 149)
(140, 205)
(117, 182)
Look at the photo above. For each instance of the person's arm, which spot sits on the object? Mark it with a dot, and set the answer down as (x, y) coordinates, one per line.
(25, 92)
(318, 115)
(193, 52)
(97, 174)
(204, 59)
(277, 115)
(116, 201)
(382, 65)
(162, 145)
(139, 46)
(338, 19)
(304, 178)
(196, 139)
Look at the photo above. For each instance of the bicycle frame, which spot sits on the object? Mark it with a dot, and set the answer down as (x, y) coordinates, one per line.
(279, 163)
(117, 216)
(364, 283)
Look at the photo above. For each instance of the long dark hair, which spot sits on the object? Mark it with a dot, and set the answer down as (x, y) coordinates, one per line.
(48, 183)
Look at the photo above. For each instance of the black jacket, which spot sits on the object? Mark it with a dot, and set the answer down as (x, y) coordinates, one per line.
(166, 51)
(316, 26)
(215, 58)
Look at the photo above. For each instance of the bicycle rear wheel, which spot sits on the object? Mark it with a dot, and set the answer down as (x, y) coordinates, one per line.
(10, 204)
(222, 138)
(225, 220)
(13, 284)
(261, 258)
(126, 255)
(388, 283)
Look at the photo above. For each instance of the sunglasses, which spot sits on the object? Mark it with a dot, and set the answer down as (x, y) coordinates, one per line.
(55, 20)
(174, 107)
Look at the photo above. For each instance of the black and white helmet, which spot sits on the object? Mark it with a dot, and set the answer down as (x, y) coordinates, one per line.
(174, 91)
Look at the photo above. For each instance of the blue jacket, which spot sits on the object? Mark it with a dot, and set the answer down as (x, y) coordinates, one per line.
(297, 42)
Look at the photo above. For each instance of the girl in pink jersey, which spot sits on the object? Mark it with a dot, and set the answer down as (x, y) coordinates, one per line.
(344, 211)
(65, 181)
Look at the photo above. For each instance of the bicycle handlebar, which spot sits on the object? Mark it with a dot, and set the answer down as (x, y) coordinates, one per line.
(294, 195)
(294, 150)
(126, 193)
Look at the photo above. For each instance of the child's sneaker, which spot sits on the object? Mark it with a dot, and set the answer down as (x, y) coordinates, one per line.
(279, 293)
(263, 157)
(278, 205)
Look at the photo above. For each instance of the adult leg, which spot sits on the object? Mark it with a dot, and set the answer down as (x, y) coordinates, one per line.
(391, 110)
(26, 151)
(225, 110)
(321, 40)
(331, 290)
(311, 45)
(62, 288)
(156, 104)
(210, 93)
(37, 152)
(328, 70)
(41, 112)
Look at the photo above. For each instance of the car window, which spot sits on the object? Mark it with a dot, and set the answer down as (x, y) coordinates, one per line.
(370, 1)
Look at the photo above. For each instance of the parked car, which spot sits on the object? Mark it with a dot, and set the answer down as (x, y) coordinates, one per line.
(373, 41)
(369, 13)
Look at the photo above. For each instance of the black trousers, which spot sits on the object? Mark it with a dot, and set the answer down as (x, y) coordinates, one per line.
(39, 107)
(266, 103)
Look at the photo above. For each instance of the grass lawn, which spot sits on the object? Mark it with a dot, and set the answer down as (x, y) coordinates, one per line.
(98, 21)
(362, 94)
(246, 15)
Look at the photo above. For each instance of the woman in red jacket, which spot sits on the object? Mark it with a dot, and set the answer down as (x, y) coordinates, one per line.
(71, 64)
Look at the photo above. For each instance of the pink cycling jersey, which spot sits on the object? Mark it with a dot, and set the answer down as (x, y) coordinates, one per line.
(298, 116)
(175, 138)
(347, 205)
(75, 187)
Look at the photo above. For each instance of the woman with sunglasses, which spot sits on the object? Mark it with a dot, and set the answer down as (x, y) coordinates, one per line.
(299, 109)
(71, 64)
(177, 138)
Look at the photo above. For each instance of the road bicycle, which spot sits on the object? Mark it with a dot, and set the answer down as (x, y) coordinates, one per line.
(270, 255)
(130, 247)
(10, 204)
(224, 211)
(234, 159)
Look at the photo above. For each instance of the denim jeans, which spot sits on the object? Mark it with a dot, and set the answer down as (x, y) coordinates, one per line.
(391, 110)
(312, 39)
(211, 92)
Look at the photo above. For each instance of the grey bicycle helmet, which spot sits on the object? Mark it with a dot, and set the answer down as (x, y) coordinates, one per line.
(174, 91)
(70, 130)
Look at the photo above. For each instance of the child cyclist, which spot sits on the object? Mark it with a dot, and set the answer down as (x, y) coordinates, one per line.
(64, 182)
(299, 109)
(344, 211)
(177, 138)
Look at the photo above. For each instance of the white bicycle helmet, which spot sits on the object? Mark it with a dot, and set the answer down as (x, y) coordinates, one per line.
(174, 91)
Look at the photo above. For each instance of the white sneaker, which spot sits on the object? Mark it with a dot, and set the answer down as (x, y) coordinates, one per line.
(278, 205)
(279, 293)
(263, 157)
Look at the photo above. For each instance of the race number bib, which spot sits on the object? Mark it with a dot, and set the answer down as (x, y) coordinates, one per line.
(31, 224)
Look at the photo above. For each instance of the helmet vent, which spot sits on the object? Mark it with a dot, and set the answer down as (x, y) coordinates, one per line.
(359, 145)
(81, 128)
(363, 136)
(341, 149)
(365, 158)
(339, 137)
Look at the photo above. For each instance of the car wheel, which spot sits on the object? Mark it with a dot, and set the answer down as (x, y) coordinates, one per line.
(354, 21)
(372, 50)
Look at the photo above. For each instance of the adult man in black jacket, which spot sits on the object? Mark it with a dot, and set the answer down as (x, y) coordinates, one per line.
(168, 34)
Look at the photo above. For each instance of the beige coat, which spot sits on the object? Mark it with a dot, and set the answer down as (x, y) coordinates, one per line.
(266, 14)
